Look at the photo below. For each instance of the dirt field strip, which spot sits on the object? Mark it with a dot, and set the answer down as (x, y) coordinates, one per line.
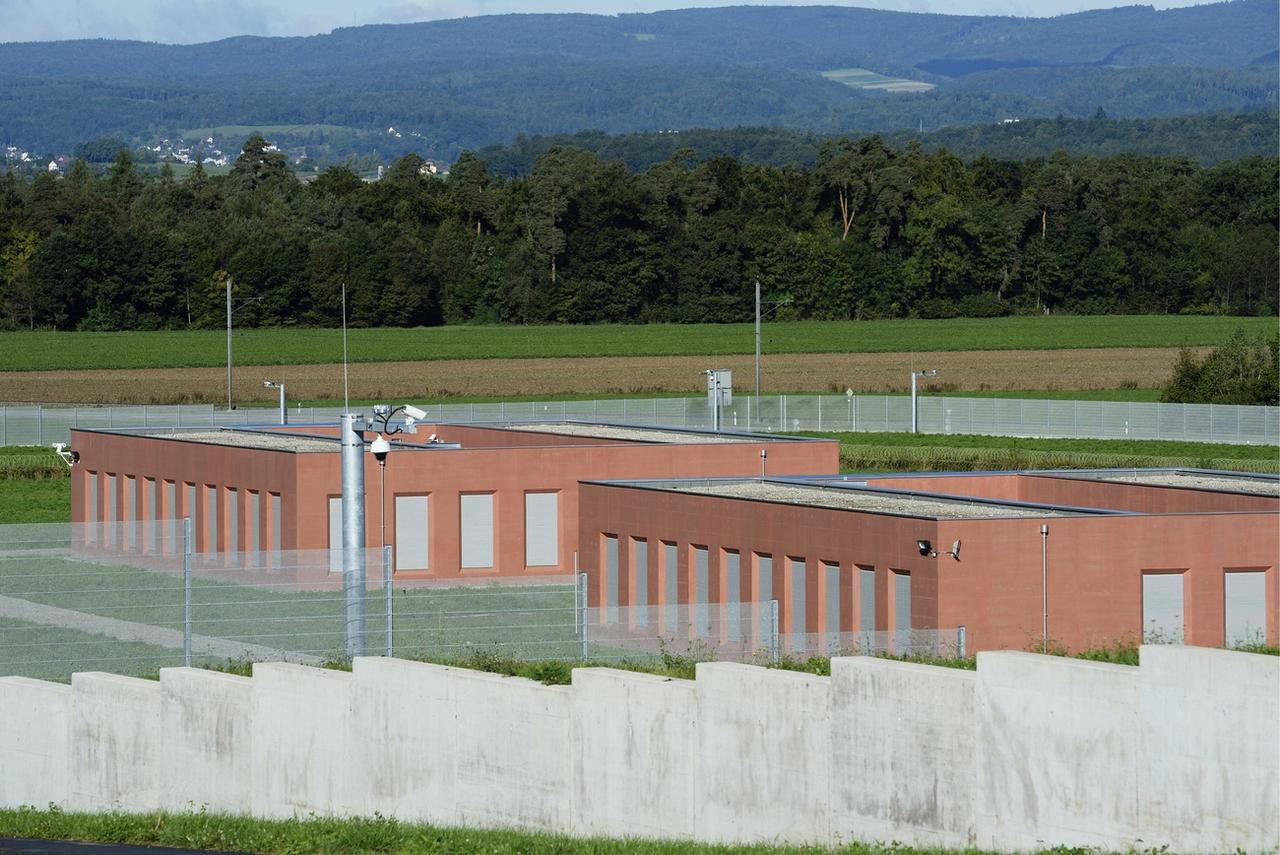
(1101, 368)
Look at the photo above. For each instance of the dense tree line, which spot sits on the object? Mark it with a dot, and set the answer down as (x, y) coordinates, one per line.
(1207, 138)
(1242, 371)
(870, 231)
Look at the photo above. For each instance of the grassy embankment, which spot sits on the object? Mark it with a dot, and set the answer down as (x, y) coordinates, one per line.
(49, 351)
(353, 836)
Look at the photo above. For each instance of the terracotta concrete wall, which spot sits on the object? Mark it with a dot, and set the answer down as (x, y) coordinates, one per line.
(816, 535)
(1095, 563)
(1095, 567)
(182, 462)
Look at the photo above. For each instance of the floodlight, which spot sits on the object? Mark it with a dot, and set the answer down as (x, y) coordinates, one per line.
(925, 547)
(381, 410)
(955, 550)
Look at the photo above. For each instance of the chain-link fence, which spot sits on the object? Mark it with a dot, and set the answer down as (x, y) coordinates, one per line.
(130, 598)
(42, 425)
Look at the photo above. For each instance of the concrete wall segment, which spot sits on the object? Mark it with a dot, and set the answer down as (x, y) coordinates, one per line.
(764, 743)
(35, 740)
(1209, 774)
(634, 755)
(115, 756)
(300, 723)
(206, 738)
(1057, 749)
(903, 758)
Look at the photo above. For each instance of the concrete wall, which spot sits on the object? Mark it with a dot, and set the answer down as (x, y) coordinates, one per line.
(1028, 752)
(889, 716)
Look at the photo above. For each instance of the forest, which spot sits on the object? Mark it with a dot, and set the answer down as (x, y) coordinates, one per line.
(870, 231)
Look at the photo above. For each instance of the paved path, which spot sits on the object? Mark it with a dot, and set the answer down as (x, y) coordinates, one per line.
(126, 630)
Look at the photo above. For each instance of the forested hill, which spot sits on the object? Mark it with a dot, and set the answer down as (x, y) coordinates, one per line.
(870, 231)
(449, 85)
(1207, 139)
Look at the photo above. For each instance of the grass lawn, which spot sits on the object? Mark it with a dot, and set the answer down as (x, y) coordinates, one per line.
(924, 452)
(351, 836)
(37, 351)
(55, 653)
(35, 500)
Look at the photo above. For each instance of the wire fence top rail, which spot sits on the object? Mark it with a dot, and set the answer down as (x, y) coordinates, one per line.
(35, 424)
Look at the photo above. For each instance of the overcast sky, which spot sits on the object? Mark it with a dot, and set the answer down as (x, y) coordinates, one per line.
(187, 21)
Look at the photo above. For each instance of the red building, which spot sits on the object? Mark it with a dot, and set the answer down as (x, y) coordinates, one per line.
(1097, 557)
(478, 501)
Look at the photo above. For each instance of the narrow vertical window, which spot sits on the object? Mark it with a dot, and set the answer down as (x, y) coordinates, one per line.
(275, 510)
(799, 605)
(611, 578)
(901, 611)
(255, 522)
(702, 593)
(113, 519)
(867, 609)
(335, 534)
(413, 527)
(1162, 614)
(671, 586)
(831, 578)
(477, 530)
(541, 530)
(1245, 602)
(732, 596)
(151, 499)
(211, 518)
(233, 519)
(93, 514)
(640, 573)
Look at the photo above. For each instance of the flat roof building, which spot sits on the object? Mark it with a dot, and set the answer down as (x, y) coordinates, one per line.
(1096, 556)
(477, 501)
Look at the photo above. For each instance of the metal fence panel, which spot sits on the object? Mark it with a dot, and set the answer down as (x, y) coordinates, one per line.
(43, 425)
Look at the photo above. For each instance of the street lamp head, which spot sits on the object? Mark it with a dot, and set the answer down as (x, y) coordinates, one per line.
(380, 448)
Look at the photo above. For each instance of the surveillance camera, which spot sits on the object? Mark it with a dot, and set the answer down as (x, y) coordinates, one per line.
(266, 384)
(414, 413)
(71, 458)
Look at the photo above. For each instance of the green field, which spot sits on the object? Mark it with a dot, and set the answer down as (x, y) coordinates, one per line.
(240, 132)
(40, 351)
(862, 78)
(35, 500)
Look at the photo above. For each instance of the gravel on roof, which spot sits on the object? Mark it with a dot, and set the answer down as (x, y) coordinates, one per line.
(636, 433)
(1198, 481)
(247, 439)
(855, 499)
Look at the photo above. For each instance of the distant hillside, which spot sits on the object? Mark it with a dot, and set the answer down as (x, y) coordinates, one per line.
(445, 86)
(1205, 139)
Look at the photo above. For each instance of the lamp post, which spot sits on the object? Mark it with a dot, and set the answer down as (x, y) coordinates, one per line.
(1044, 585)
(380, 447)
(772, 304)
(284, 417)
(230, 311)
(915, 420)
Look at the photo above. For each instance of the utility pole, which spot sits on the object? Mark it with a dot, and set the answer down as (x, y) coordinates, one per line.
(229, 405)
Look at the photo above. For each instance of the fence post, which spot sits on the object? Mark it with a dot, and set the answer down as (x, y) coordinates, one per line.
(775, 648)
(819, 414)
(186, 591)
(386, 590)
(961, 642)
(40, 423)
(581, 608)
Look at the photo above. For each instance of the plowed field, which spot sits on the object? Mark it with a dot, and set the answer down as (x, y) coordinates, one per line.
(959, 371)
